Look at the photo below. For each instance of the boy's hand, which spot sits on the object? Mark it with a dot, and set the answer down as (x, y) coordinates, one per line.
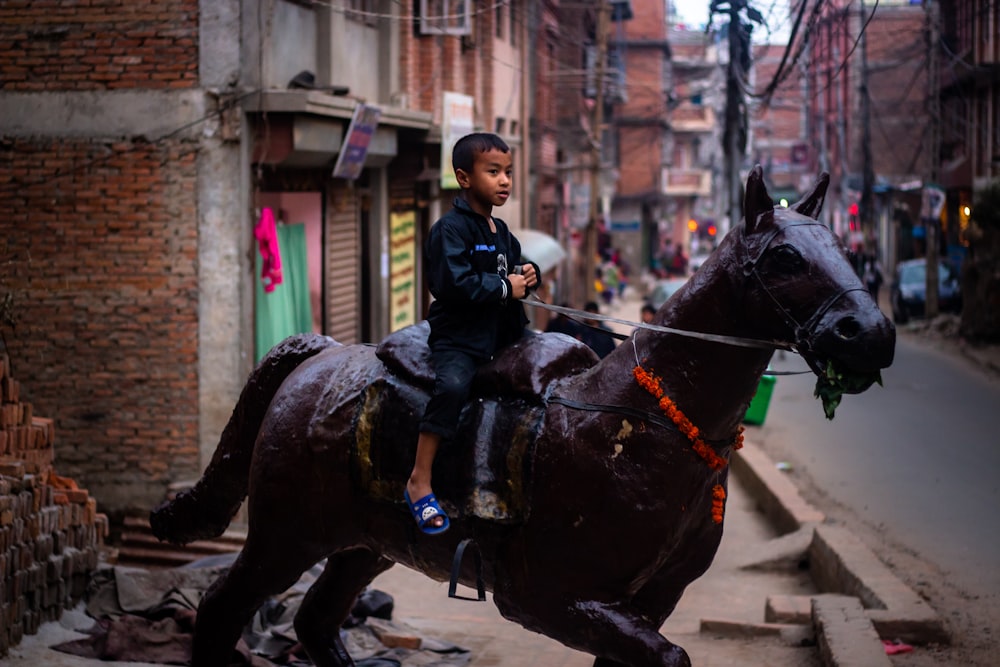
(518, 285)
(530, 277)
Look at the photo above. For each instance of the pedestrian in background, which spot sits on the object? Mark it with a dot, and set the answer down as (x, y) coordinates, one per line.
(597, 334)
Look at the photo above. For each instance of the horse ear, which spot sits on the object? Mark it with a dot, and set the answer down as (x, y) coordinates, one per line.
(756, 202)
(812, 203)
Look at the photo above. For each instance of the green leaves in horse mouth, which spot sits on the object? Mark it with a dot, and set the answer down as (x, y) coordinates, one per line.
(834, 383)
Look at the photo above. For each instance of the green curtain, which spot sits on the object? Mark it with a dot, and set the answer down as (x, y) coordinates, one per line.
(286, 310)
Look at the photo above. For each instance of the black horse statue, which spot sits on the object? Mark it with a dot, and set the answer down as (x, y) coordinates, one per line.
(594, 490)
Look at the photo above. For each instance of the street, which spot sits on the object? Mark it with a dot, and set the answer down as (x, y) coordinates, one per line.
(911, 467)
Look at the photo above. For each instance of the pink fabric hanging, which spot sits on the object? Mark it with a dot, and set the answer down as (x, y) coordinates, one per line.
(266, 234)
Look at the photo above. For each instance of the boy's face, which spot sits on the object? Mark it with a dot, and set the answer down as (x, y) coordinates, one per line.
(489, 183)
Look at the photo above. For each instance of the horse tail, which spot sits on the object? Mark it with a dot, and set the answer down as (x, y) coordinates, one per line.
(205, 510)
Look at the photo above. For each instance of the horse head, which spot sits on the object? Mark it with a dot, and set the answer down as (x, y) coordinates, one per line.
(830, 318)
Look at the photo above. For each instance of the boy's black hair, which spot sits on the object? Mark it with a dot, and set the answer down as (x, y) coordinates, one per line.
(647, 308)
(463, 155)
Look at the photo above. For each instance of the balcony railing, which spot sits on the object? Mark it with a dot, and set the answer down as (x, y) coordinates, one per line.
(686, 182)
(692, 119)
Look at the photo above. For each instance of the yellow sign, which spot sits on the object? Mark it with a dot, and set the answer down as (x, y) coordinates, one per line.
(402, 270)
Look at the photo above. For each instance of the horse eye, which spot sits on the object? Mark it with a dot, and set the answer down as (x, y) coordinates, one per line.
(787, 258)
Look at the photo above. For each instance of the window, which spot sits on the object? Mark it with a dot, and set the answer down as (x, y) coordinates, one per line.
(363, 11)
(445, 17)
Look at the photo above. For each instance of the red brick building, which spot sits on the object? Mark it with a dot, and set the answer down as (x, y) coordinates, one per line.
(100, 235)
(891, 63)
(779, 125)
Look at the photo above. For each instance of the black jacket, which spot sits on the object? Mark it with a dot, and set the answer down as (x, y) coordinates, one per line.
(466, 268)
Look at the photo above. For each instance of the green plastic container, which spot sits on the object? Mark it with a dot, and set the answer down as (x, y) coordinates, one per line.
(757, 411)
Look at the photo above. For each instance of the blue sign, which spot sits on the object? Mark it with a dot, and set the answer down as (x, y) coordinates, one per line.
(625, 226)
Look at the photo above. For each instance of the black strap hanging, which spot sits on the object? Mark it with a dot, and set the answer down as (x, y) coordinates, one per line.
(456, 568)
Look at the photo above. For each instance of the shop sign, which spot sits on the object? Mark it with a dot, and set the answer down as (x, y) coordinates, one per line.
(402, 269)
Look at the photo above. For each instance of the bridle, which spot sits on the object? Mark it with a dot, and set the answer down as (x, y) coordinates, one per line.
(805, 333)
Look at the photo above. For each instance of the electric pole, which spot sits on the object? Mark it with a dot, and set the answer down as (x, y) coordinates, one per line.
(841, 136)
(734, 100)
(596, 144)
(933, 219)
(867, 208)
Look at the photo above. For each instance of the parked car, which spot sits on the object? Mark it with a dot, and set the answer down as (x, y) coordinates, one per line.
(908, 291)
(696, 261)
(663, 289)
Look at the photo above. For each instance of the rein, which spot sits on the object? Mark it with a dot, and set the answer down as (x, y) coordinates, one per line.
(804, 332)
(714, 338)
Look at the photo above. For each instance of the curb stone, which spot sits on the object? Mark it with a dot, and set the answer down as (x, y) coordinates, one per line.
(840, 561)
(871, 601)
(845, 635)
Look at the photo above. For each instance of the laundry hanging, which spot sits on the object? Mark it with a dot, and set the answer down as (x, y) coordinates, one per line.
(266, 234)
(286, 310)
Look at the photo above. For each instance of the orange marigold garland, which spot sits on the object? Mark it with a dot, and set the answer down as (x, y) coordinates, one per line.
(718, 502)
(651, 383)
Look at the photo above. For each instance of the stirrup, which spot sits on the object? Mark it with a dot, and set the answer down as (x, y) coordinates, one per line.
(456, 567)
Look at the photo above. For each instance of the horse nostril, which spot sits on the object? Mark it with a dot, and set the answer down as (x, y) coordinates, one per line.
(847, 328)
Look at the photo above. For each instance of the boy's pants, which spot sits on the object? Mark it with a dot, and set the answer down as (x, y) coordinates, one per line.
(453, 373)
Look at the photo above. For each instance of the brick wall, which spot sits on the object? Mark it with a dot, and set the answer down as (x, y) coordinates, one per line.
(780, 125)
(99, 247)
(98, 44)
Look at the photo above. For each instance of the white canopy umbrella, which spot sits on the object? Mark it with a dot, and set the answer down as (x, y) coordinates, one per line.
(540, 248)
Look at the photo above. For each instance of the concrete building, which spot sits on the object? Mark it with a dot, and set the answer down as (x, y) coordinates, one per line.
(694, 178)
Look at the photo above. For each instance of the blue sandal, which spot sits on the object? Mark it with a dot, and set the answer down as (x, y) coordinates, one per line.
(424, 510)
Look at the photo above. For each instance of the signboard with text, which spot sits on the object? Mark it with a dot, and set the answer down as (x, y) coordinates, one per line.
(351, 160)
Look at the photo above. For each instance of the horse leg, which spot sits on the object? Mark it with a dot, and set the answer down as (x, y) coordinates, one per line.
(616, 633)
(230, 602)
(329, 600)
(623, 636)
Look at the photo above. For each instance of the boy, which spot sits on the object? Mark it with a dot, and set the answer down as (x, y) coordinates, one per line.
(471, 261)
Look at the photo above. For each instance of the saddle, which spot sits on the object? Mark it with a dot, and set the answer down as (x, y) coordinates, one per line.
(524, 369)
(484, 470)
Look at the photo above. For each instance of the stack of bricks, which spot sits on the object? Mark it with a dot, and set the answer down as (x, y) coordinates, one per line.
(50, 531)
